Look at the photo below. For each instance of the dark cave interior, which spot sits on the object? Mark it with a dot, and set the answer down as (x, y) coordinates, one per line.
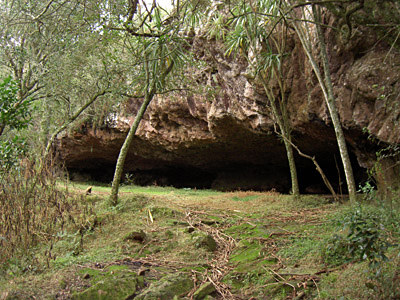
(230, 176)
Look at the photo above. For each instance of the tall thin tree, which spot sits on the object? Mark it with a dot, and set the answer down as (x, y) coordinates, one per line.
(325, 81)
(252, 37)
(155, 36)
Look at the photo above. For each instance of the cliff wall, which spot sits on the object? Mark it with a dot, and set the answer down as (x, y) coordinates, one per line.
(227, 140)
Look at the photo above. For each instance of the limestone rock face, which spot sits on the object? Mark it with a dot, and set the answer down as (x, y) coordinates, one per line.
(227, 140)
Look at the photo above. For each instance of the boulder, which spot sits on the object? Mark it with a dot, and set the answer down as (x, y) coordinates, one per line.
(168, 287)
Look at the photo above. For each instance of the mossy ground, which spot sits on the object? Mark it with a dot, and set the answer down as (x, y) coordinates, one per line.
(268, 247)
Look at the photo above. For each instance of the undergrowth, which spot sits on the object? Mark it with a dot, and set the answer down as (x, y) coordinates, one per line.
(34, 212)
(268, 246)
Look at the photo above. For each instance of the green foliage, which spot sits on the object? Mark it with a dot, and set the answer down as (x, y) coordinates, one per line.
(10, 152)
(217, 26)
(194, 12)
(364, 239)
(368, 191)
(14, 112)
(334, 250)
(252, 24)
(237, 40)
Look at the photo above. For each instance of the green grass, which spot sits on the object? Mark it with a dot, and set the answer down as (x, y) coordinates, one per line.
(245, 198)
(148, 190)
(272, 233)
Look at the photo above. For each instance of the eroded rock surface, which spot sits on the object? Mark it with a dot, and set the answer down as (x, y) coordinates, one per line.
(227, 141)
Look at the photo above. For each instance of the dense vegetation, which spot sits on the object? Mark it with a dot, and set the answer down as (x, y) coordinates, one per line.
(68, 63)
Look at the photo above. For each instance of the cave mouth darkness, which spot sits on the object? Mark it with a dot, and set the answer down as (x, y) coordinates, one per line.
(229, 176)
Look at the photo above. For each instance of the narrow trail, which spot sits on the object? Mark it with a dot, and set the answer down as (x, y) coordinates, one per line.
(220, 263)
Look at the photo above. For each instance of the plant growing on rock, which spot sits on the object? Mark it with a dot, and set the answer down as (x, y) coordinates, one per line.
(254, 36)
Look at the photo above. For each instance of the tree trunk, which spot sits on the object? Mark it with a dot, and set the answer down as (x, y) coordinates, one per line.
(69, 121)
(281, 117)
(132, 131)
(318, 168)
(327, 90)
(293, 169)
(288, 143)
(330, 100)
(125, 147)
(282, 121)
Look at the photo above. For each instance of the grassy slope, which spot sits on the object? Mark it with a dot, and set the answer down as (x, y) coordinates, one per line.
(269, 246)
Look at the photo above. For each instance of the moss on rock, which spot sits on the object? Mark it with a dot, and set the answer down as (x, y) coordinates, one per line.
(206, 241)
(112, 288)
(116, 282)
(204, 290)
(168, 287)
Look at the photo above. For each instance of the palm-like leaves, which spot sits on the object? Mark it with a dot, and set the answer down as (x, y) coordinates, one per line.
(253, 24)
(251, 27)
(237, 40)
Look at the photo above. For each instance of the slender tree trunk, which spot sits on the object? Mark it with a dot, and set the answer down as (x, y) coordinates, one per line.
(319, 169)
(70, 120)
(327, 90)
(292, 167)
(351, 186)
(125, 147)
(282, 122)
(132, 131)
(288, 139)
(280, 117)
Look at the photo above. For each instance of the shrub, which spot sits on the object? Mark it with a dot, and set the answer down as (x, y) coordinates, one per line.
(14, 112)
(364, 238)
(33, 211)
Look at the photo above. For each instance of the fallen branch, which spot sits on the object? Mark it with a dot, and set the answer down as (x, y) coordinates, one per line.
(318, 168)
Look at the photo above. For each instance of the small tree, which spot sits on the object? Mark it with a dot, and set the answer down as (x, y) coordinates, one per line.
(252, 36)
(155, 37)
(325, 82)
(14, 115)
(14, 112)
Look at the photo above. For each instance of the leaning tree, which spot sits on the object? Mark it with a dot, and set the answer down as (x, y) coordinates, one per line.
(156, 43)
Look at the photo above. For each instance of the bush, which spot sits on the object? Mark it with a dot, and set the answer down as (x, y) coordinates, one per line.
(34, 211)
(14, 112)
(364, 238)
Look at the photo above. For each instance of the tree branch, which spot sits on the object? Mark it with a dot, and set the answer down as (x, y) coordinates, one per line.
(135, 33)
(44, 11)
(71, 119)
(317, 166)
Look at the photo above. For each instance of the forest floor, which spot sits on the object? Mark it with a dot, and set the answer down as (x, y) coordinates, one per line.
(166, 243)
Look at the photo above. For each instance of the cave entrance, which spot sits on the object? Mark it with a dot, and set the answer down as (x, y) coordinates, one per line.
(179, 177)
(230, 177)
